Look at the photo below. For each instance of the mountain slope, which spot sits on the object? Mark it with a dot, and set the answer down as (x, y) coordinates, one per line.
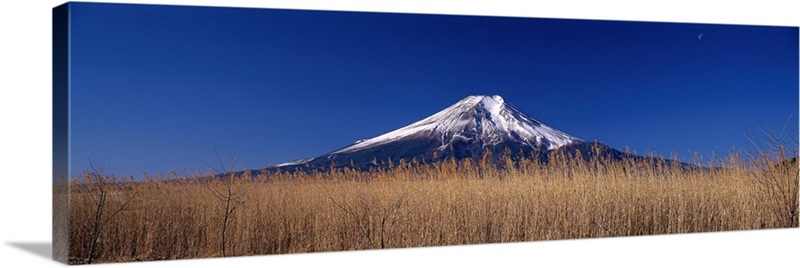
(467, 129)
(485, 119)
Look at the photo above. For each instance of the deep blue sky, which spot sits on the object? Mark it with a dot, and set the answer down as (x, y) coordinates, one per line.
(160, 88)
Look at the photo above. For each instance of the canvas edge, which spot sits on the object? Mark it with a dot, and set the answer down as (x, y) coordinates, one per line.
(60, 58)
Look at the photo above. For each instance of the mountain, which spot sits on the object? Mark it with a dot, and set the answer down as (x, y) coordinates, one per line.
(469, 128)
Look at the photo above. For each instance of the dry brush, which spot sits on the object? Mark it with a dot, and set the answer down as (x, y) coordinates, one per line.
(411, 205)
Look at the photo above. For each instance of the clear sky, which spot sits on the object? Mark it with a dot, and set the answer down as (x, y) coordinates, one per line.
(160, 88)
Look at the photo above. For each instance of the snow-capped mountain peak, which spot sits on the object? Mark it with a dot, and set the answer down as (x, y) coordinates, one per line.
(487, 120)
(468, 129)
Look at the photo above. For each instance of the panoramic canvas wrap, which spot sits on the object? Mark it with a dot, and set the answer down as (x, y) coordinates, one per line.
(192, 132)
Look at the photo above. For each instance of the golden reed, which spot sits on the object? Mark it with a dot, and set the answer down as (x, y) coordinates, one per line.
(468, 202)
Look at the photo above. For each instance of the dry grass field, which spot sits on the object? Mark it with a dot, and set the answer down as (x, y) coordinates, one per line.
(170, 217)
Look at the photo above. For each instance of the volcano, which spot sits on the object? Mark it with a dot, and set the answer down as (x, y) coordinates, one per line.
(470, 128)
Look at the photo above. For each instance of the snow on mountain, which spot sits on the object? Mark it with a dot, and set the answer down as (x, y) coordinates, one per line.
(488, 119)
(468, 128)
(296, 162)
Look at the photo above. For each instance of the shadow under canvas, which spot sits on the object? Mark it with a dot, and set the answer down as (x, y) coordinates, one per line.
(41, 249)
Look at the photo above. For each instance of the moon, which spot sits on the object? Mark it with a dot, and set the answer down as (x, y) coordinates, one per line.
(700, 36)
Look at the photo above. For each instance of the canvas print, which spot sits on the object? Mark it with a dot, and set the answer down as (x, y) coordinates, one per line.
(193, 132)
